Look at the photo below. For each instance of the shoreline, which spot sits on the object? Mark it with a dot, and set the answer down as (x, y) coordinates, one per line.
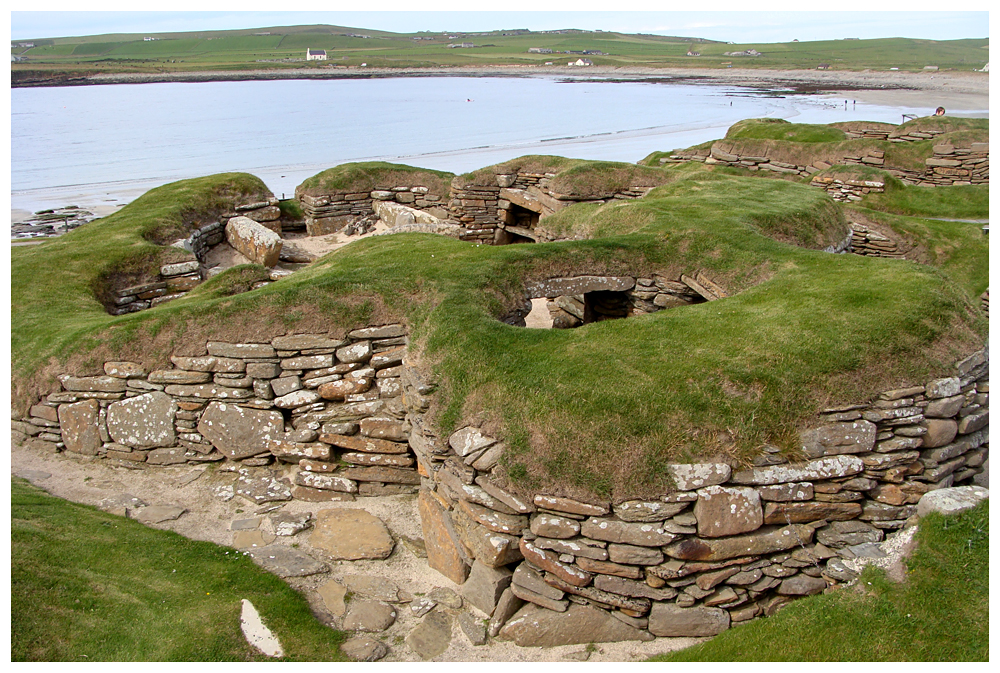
(805, 81)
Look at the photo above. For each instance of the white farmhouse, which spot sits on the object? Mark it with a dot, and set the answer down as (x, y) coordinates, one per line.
(315, 54)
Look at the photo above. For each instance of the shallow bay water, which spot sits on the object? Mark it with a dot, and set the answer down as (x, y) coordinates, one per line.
(105, 145)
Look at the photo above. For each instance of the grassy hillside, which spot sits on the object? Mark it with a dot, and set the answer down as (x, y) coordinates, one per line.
(90, 586)
(268, 48)
(940, 612)
(595, 410)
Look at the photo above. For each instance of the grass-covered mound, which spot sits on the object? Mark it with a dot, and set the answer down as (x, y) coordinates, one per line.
(90, 586)
(596, 410)
(367, 176)
(576, 178)
(940, 612)
(779, 129)
(805, 144)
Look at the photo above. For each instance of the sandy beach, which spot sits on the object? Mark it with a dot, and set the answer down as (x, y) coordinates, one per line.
(971, 89)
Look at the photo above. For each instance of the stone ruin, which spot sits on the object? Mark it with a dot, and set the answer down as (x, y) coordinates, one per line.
(318, 418)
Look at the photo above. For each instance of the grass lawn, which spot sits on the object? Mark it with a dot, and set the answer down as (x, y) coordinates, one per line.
(91, 586)
(940, 613)
(266, 48)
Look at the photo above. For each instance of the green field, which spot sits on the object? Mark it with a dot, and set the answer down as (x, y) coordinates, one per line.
(88, 586)
(259, 48)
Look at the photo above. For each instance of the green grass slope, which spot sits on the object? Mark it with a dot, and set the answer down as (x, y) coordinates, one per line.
(940, 612)
(259, 48)
(90, 586)
(597, 410)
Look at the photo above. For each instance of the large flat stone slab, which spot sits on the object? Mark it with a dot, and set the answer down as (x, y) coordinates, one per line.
(351, 534)
(670, 621)
(444, 547)
(239, 432)
(78, 422)
(143, 422)
(533, 626)
(254, 241)
(286, 561)
(951, 500)
(432, 636)
(764, 541)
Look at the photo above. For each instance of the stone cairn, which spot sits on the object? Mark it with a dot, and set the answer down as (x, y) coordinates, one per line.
(329, 213)
(950, 165)
(309, 401)
(319, 418)
(486, 210)
(724, 547)
(177, 279)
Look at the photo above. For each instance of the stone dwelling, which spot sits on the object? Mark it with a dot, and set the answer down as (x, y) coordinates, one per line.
(315, 54)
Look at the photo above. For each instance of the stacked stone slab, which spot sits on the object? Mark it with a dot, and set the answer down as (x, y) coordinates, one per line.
(949, 165)
(329, 213)
(725, 546)
(328, 410)
(486, 210)
(265, 212)
(847, 190)
(870, 243)
(175, 280)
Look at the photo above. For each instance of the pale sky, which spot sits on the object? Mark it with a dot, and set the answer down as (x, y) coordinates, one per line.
(720, 24)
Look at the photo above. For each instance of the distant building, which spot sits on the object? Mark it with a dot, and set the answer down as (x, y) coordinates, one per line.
(150, 39)
(748, 52)
(823, 66)
(581, 62)
(461, 45)
(539, 50)
(315, 54)
(693, 53)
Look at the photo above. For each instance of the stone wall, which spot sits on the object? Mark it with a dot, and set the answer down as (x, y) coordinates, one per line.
(325, 414)
(870, 243)
(489, 212)
(949, 165)
(579, 300)
(314, 417)
(726, 546)
(328, 213)
(177, 279)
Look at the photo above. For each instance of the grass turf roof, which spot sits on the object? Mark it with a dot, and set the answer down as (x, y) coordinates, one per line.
(595, 411)
(367, 176)
(574, 177)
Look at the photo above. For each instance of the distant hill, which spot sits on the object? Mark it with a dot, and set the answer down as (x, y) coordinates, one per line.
(282, 47)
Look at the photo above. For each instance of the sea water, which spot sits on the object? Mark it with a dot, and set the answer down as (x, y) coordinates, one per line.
(110, 143)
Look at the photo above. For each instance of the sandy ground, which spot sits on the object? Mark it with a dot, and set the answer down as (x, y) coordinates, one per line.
(958, 90)
(209, 517)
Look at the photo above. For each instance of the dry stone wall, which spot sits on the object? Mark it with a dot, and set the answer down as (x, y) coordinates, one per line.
(949, 165)
(329, 213)
(325, 414)
(726, 546)
(314, 417)
(492, 213)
